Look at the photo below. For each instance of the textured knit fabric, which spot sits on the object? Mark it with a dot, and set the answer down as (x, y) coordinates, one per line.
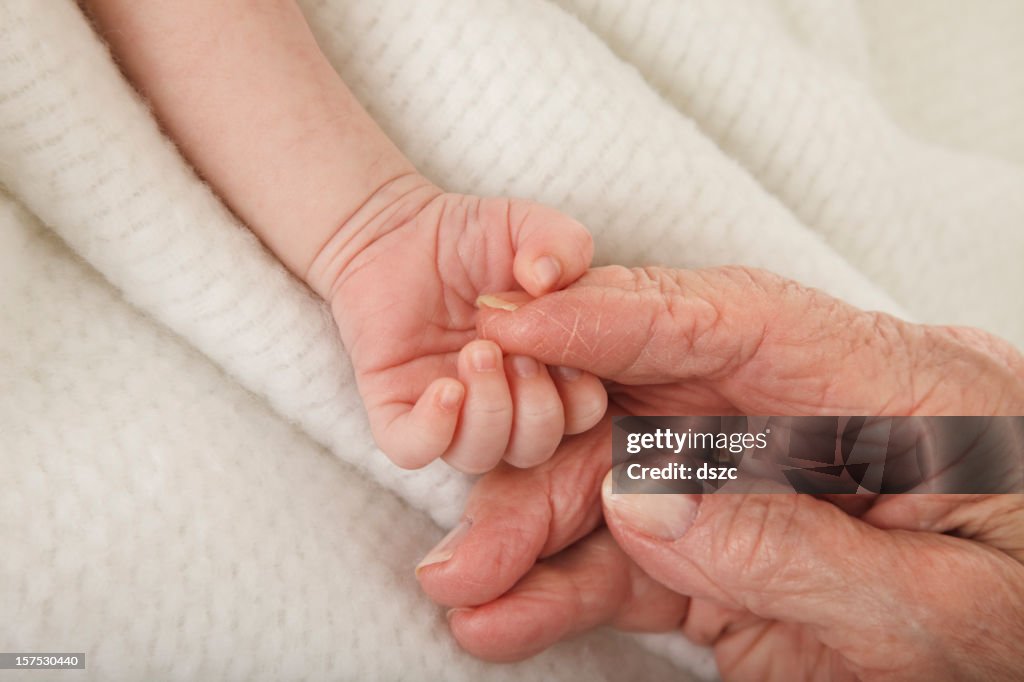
(189, 489)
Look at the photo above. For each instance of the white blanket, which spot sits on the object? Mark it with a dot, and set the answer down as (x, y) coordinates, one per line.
(170, 398)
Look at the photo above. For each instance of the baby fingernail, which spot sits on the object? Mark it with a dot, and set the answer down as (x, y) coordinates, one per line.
(490, 301)
(458, 609)
(569, 373)
(485, 358)
(664, 516)
(525, 366)
(445, 549)
(450, 396)
(547, 271)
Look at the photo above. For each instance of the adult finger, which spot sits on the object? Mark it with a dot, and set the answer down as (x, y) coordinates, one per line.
(877, 597)
(514, 516)
(767, 344)
(590, 584)
(780, 556)
(994, 520)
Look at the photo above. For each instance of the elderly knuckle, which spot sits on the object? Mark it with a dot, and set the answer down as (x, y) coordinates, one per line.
(572, 491)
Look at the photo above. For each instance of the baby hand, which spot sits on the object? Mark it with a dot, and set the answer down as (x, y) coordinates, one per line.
(403, 276)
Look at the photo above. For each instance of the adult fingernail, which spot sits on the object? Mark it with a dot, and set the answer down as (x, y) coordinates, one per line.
(569, 373)
(485, 358)
(450, 613)
(492, 301)
(664, 516)
(445, 550)
(547, 272)
(525, 366)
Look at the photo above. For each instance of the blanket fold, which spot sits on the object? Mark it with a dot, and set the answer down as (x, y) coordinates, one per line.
(686, 133)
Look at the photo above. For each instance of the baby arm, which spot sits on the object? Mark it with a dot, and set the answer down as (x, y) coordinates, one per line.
(245, 92)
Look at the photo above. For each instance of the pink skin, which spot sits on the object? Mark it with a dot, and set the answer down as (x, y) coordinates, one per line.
(404, 294)
(784, 587)
(264, 118)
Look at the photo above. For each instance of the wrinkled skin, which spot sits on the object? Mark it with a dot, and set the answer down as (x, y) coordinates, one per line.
(783, 587)
(403, 277)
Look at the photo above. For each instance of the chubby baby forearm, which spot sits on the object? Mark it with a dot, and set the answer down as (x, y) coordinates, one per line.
(243, 89)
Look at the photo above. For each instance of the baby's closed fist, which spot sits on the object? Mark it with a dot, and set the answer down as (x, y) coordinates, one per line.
(403, 277)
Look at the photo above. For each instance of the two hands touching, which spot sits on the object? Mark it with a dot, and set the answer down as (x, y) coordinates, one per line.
(245, 92)
(783, 586)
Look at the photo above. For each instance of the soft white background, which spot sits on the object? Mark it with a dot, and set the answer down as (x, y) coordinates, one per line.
(188, 489)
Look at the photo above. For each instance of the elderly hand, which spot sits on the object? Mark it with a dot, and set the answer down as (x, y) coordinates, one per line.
(782, 586)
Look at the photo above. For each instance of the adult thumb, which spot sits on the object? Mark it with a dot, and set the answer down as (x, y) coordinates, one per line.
(784, 557)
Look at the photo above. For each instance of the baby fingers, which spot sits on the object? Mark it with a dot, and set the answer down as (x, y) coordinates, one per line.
(584, 398)
(486, 421)
(414, 437)
(539, 419)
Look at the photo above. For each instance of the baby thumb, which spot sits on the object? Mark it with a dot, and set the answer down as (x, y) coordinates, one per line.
(551, 249)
